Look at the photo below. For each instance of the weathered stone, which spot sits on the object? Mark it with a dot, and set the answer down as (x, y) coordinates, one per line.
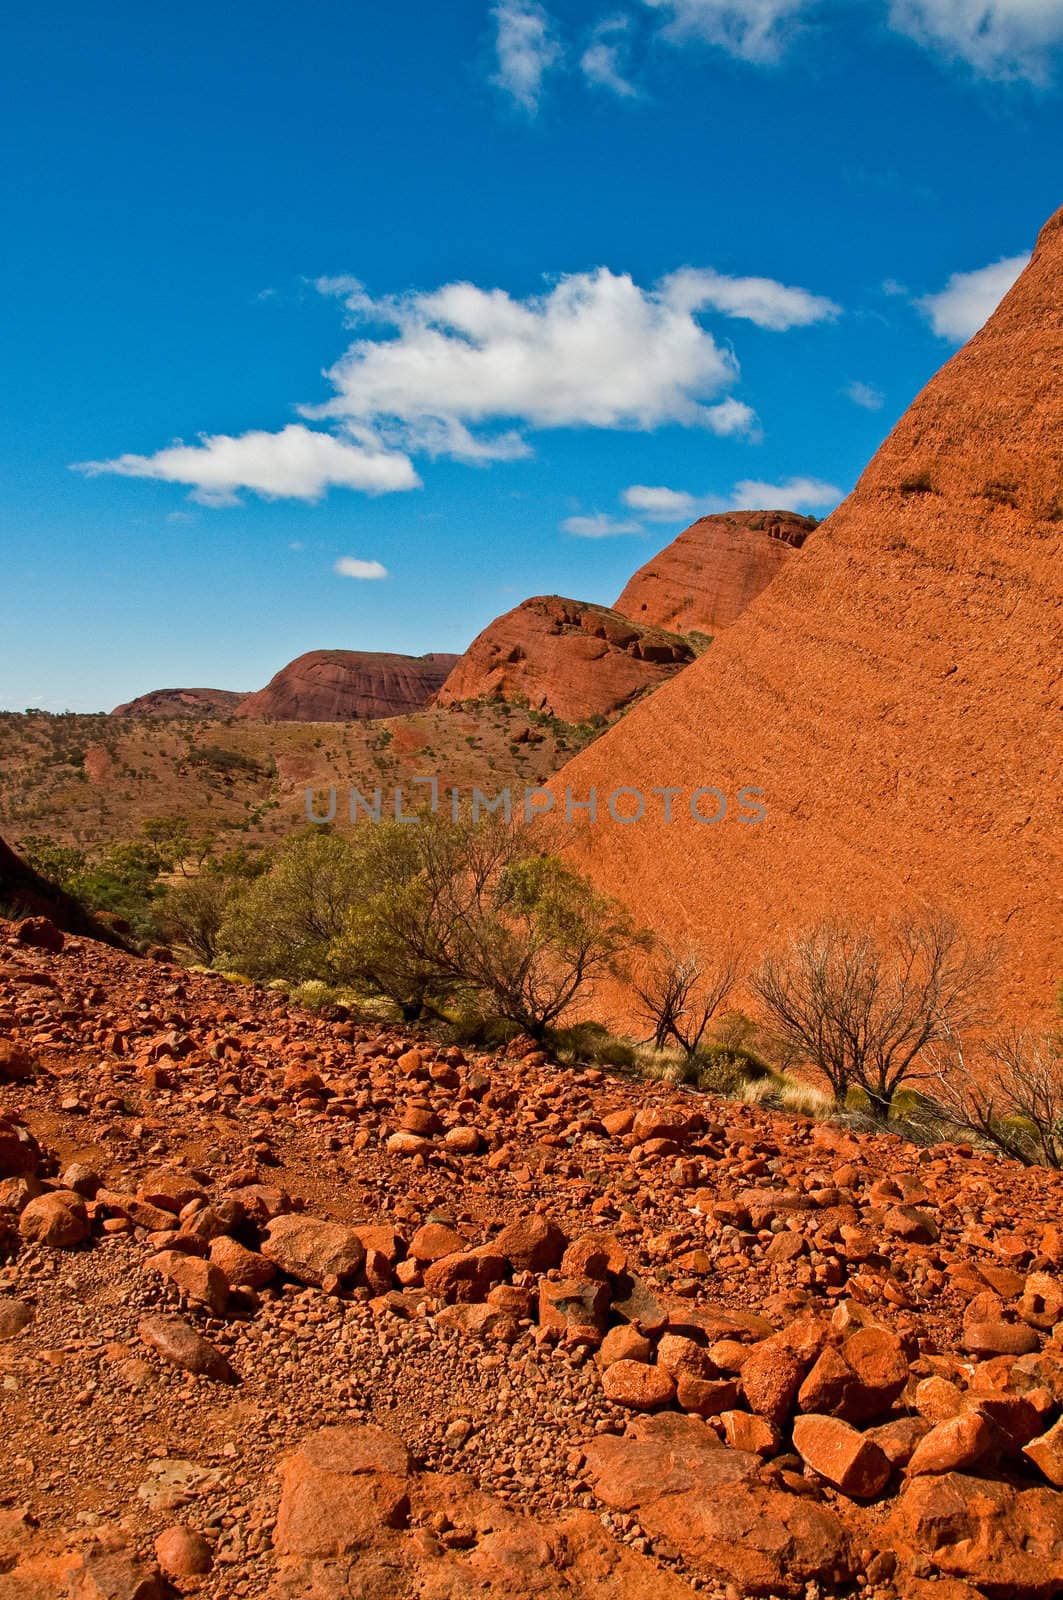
(183, 1347)
(638, 1386)
(311, 1250)
(847, 1459)
(57, 1219)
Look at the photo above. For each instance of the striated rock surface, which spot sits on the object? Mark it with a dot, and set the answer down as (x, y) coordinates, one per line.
(896, 692)
(181, 703)
(709, 574)
(348, 685)
(566, 658)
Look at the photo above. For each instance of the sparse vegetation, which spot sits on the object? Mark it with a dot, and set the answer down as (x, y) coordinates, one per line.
(866, 1011)
(679, 993)
(1013, 1100)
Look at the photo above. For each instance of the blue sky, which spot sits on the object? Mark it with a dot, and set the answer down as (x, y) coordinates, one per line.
(490, 299)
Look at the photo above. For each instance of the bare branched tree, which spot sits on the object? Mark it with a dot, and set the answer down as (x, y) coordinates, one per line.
(865, 1010)
(680, 993)
(1012, 1099)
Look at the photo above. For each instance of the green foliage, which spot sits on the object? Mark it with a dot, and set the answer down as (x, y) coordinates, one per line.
(433, 914)
(219, 759)
(193, 910)
(284, 921)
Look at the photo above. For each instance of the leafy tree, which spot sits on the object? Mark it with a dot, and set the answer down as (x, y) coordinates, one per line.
(540, 936)
(284, 921)
(429, 911)
(193, 911)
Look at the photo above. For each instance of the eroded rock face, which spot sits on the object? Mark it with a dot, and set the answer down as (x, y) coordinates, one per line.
(181, 703)
(895, 690)
(566, 658)
(348, 685)
(709, 574)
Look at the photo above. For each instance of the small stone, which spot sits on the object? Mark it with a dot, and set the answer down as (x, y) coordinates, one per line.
(309, 1249)
(771, 1376)
(14, 1316)
(1000, 1339)
(624, 1343)
(433, 1241)
(847, 1459)
(638, 1386)
(195, 1278)
(743, 1431)
(40, 933)
(57, 1219)
(243, 1268)
(183, 1553)
(16, 1064)
(534, 1244)
(1046, 1453)
(181, 1345)
(954, 1445)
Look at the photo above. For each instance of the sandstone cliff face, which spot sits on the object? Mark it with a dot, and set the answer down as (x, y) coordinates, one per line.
(181, 703)
(709, 574)
(348, 685)
(896, 691)
(565, 657)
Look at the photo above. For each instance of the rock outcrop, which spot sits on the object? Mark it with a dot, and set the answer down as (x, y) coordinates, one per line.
(348, 685)
(895, 692)
(566, 658)
(181, 703)
(709, 574)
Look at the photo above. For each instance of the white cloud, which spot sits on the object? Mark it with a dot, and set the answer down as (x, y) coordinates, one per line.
(296, 463)
(1009, 40)
(1004, 39)
(600, 526)
(752, 30)
(352, 567)
(466, 373)
(660, 504)
(865, 394)
(526, 49)
(604, 62)
(970, 298)
(596, 350)
(795, 494)
(759, 300)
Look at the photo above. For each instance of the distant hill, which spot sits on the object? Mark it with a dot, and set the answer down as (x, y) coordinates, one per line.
(565, 657)
(348, 685)
(181, 703)
(710, 573)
